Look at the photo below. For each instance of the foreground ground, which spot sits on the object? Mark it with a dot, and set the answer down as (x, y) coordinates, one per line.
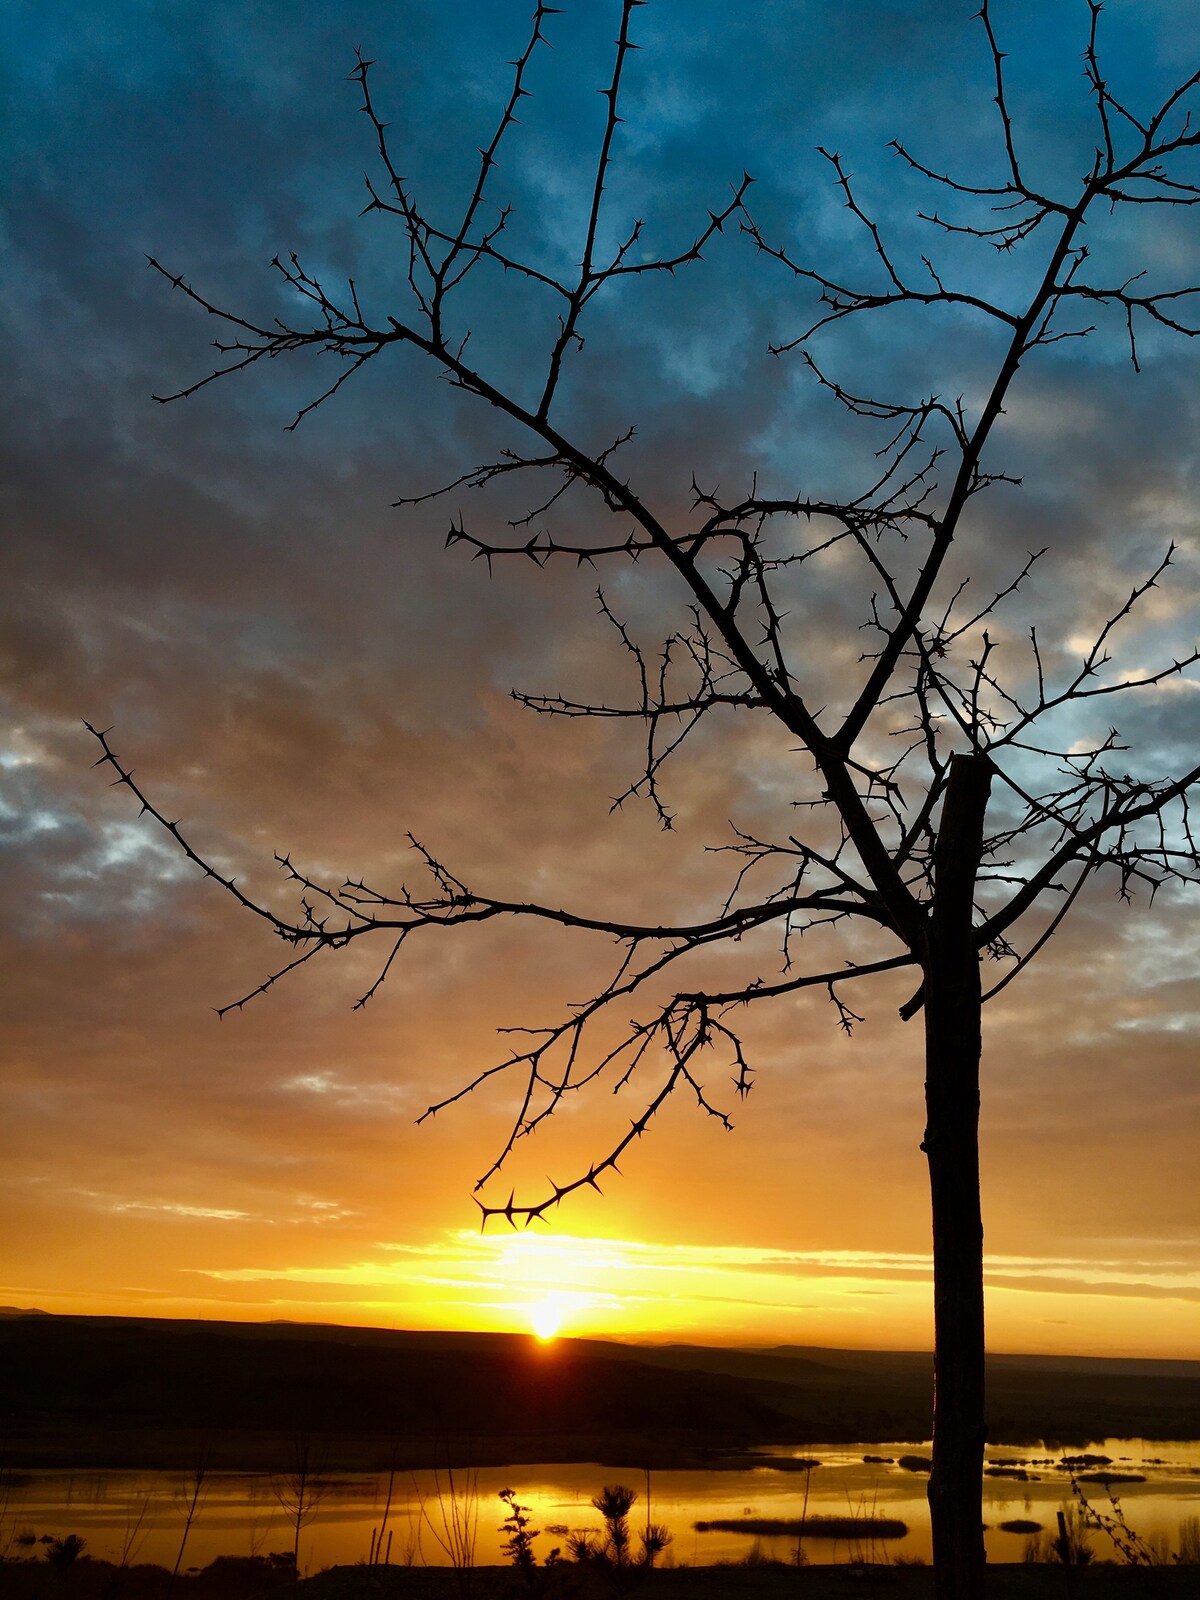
(758, 1583)
(245, 1580)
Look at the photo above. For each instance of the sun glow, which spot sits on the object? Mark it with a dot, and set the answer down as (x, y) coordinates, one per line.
(551, 1287)
(546, 1318)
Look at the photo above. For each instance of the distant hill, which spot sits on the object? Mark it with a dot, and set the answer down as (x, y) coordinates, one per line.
(80, 1391)
(888, 1394)
(127, 1391)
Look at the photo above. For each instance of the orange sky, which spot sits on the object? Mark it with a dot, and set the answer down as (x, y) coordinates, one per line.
(268, 1166)
(291, 664)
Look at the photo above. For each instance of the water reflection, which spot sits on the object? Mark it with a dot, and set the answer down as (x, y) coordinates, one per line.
(140, 1516)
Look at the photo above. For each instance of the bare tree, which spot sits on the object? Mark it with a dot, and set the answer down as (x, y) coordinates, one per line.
(947, 805)
(301, 1490)
(450, 1510)
(192, 1494)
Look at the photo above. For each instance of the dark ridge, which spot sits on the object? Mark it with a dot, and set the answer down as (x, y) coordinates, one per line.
(79, 1391)
(95, 1391)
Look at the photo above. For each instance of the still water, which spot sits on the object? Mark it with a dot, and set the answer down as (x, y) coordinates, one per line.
(140, 1516)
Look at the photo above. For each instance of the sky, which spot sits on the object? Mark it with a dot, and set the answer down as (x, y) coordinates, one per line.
(290, 662)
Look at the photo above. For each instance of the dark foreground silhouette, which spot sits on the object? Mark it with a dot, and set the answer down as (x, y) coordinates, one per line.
(243, 1578)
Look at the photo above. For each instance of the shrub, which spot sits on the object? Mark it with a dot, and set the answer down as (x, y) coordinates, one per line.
(1188, 1553)
(63, 1553)
(612, 1553)
(1071, 1545)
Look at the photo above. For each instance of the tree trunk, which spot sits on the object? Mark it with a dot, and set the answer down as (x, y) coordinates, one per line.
(951, 1144)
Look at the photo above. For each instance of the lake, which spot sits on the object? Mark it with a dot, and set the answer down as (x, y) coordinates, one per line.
(140, 1516)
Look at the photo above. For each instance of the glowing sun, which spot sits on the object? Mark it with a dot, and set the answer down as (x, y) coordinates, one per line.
(545, 1318)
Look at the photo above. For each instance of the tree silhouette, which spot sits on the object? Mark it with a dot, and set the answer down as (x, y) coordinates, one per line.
(300, 1491)
(613, 1552)
(951, 807)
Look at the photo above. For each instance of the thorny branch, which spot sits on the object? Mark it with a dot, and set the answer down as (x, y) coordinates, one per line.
(941, 675)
